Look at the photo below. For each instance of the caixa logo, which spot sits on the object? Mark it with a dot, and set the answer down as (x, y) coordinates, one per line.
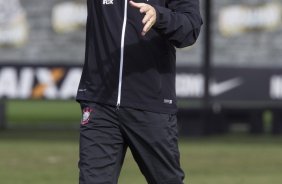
(39, 82)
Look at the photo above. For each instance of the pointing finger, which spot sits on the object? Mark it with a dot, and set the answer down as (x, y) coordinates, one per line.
(136, 5)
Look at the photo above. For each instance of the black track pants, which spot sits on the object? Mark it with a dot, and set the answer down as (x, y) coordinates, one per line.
(105, 134)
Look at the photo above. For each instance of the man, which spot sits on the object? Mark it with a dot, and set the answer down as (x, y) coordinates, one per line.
(127, 88)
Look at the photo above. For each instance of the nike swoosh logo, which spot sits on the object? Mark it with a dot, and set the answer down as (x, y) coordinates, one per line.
(217, 89)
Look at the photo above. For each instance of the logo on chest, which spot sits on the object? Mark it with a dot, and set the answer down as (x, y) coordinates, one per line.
(108, 2)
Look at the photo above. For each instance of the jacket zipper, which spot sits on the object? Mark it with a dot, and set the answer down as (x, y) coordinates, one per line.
(122, 53)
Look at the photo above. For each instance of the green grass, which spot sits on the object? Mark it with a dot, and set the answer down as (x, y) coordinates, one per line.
(50, 157)
(44, 114)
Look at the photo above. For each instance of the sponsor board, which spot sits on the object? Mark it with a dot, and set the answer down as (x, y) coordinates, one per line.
(227, 84)
(39, 82)
(276, 87)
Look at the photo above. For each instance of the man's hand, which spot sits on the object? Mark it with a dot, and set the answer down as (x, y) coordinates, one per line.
(150, 15)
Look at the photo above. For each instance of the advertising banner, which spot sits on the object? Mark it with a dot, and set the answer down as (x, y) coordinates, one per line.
(245, 85)
(39, 82)
(232, 84)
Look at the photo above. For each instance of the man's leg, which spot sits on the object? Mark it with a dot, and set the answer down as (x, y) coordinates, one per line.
(153, 140)
(102, 148)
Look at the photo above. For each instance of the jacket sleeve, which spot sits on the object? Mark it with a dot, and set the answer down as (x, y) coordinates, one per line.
(180, 21)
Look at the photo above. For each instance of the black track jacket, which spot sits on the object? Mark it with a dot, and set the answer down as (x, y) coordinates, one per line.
(124, 68)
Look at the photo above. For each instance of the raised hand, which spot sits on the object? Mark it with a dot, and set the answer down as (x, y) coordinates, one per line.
(150, 15)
